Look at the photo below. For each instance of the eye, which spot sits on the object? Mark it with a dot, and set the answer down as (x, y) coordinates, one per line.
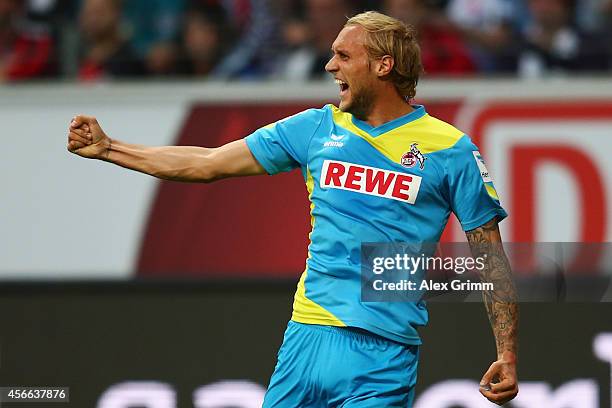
(343, 56)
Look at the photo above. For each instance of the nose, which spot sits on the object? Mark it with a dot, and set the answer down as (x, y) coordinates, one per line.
(332, 65)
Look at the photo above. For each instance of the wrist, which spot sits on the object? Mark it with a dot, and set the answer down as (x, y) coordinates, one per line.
(507, 356)
(108, 147)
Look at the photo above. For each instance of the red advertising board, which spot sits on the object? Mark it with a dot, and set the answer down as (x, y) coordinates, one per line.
(549, 160)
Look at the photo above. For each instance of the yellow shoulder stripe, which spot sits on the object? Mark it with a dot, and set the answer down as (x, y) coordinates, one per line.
(430, 135)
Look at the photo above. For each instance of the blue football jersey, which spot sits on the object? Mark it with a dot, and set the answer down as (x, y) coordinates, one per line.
(398, 182)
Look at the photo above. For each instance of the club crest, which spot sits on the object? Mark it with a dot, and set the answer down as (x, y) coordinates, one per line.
(412, 157)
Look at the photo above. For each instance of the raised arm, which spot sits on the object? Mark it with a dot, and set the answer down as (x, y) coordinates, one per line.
(181, 163)
(499, 384)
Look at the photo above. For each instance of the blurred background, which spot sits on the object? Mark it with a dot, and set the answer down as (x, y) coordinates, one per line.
(140, 293)
(95, 40)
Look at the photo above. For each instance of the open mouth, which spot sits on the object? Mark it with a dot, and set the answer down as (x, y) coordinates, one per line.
(343, 86)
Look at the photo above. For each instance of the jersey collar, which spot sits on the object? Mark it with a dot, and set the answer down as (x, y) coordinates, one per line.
(417, 113)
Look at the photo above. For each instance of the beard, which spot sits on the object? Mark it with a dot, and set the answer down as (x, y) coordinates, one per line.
(361, 103)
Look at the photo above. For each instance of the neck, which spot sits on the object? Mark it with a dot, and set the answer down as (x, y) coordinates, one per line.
(387, 108)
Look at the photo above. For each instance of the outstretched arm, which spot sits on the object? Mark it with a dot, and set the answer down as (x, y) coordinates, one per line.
(499, 384)
(181, 163)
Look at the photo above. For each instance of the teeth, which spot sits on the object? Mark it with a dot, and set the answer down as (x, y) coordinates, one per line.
(339, 82)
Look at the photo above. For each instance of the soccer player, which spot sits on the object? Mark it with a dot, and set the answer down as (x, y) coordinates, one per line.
(377, 169)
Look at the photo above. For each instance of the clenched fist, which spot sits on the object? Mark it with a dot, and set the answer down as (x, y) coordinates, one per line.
(499, 384)
(87, 139)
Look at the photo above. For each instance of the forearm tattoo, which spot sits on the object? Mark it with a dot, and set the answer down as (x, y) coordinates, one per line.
(501, 302)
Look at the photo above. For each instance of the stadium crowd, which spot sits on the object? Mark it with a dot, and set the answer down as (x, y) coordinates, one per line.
(93, 40)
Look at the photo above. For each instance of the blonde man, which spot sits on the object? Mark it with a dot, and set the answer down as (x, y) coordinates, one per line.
(377, 169)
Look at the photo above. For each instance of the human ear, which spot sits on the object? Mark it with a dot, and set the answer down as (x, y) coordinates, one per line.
(385, 65)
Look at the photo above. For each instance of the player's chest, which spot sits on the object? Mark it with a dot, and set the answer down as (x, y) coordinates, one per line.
(342, 161)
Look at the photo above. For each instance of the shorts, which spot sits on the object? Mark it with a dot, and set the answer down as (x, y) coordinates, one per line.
(326, 366)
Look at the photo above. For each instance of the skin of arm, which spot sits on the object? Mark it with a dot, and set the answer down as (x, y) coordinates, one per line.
(499, 384)
(179, 163)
